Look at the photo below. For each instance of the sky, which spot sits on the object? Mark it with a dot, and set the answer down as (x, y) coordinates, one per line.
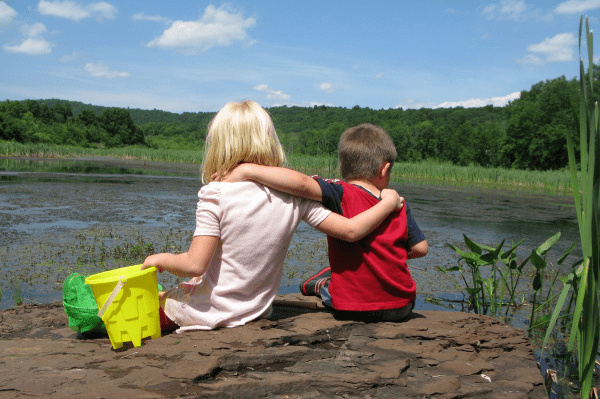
(195, 56)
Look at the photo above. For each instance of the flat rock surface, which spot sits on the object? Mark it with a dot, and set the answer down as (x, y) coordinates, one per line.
(299, 353)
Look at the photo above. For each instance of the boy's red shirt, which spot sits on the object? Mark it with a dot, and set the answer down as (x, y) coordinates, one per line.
(370, 274)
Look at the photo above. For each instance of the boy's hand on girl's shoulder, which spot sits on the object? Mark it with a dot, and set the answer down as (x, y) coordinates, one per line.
(388, 193)
(236, 174)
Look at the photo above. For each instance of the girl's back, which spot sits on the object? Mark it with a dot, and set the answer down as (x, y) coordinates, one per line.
(255, 226)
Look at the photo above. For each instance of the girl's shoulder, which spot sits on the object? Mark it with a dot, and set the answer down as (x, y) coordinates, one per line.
(246, 188)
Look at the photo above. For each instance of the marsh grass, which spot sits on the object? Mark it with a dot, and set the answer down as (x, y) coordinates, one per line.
(557, 180)
(326, 166)
(13, 149)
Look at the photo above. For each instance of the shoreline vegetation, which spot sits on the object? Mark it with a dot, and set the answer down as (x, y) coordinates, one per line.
(551, 182)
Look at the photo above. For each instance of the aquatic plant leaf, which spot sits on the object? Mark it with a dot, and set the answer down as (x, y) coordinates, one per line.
(568, 284)
(472, 246)
(449, 269)
(567, 252)
(537, 260)
(549, 243)
(542, 321)
(511, 250)
(522, 265)
(473, 291)
(456, 249)
(489, 258)
(537, 281)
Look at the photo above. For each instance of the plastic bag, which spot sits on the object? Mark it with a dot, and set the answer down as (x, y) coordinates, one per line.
(80, 306)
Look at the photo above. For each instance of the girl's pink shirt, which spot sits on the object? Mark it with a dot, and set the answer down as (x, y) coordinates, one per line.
(255, 225)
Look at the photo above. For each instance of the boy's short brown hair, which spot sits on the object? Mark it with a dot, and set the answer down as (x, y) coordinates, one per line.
(362, 149)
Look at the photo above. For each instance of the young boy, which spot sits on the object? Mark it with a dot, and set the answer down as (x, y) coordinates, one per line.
(367, 280)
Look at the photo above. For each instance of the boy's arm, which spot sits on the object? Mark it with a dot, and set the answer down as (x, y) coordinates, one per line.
(362, 224)
(417, 243)
(418, 250)
(281, 179)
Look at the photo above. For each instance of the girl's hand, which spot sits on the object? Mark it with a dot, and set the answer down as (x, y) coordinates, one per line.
(150, 261)
(391, 195)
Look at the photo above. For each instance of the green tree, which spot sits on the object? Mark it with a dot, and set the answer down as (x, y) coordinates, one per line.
(120, 127)
(88, 117)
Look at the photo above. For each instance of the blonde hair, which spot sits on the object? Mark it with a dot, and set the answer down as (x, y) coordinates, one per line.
(363, 149)
(240, 132)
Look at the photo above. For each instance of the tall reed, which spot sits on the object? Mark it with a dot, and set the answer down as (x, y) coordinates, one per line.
(584, 279)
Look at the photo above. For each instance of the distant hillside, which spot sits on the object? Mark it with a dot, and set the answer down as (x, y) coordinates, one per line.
(139, 116)
(528, 133)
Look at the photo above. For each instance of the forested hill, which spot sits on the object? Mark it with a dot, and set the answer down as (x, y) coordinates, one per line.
(529, 133)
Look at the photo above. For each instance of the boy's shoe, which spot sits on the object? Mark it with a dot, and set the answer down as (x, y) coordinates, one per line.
(312, 285)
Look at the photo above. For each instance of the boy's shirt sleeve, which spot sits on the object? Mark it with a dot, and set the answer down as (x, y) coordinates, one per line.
(415, 235)
(331, 194)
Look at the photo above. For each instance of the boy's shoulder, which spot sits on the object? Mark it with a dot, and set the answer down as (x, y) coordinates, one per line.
(326, 180)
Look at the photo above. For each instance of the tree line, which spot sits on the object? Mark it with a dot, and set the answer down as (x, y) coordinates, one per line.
(528, 133)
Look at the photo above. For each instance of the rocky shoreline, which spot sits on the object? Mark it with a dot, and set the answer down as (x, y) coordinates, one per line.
(302, 352)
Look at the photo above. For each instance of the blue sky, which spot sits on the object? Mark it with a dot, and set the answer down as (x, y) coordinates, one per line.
(190, 56)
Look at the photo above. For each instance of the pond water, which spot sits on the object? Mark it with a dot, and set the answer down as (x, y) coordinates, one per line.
(93, 214)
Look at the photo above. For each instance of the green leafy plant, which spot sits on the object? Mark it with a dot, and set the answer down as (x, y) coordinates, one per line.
(583, 281)
(485, 290)
(17, 297)
(495, 274)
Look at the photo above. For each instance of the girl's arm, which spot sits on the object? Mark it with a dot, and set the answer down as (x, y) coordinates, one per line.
(192, 263)
(362, 224)
(281, 179)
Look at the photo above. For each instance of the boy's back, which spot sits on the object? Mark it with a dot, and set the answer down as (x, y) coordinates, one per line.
(370, 274)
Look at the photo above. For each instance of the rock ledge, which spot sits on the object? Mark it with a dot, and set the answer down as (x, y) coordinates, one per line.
(299, 353)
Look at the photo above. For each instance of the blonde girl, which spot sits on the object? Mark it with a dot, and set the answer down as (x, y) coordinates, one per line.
(243, 229)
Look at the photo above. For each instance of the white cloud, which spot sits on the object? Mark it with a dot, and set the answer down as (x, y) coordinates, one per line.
(34, 30)
(140, 16)
(472, 103)
(6, 13)
(102, 71)
(576, 6)
(478, 102)
(560, 48)
(34, 43)
(328, 87)
(76, 12)
(69, 57)
(318, 104)
(217, 27)
(272, 94)
(513, 10)
(530, 59)
(414, 104)
(31, 47)
(379, 76)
